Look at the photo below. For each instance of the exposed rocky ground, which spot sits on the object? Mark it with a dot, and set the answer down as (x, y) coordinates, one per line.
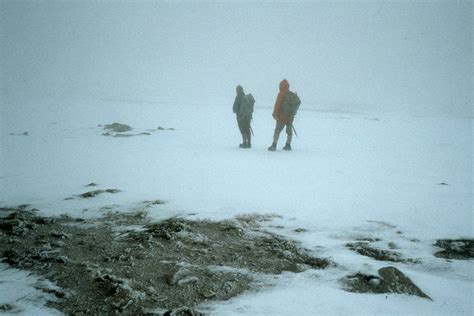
(366, 248)
(93, 193)
(120, 130)
(389, 280)
(460, 249)
(125, 263)
(105, 266)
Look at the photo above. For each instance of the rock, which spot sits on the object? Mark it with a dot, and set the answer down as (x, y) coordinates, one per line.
(178, 275)
(11, 257)
(94, 193)
(60, 235)
(392, 245)
(20, 134)
(183, 311)
(459, 249)
(130, 135)
(159, 128)
(168, 228)
(117, 127)
(394, 281)
(43, 220)
(5, 307)
(316, 263)
(7, 226)
(189, 279)
(300, 230)
(390, 280)
(6, 212)
(364, 248)
(153, 202)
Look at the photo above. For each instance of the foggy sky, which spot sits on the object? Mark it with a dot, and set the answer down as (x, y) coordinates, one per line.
(407, 57)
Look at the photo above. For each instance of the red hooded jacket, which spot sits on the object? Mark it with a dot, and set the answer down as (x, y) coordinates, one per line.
(277, 114)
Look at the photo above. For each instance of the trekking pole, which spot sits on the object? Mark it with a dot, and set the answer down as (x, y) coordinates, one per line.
(251, 130)
(294, 130)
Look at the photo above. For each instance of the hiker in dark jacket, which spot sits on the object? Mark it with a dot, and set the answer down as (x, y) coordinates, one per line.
(282, 117)
(243, 109)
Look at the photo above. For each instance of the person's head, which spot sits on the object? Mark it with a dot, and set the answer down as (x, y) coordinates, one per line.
(284, 85)
(239, 89)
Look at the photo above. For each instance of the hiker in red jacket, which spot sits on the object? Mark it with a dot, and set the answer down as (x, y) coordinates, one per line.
(284, 113)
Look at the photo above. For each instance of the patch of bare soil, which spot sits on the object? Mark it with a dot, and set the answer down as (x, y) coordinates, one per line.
(124, 263)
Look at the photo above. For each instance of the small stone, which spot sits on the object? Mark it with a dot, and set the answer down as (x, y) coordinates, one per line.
(300, 230)
(374, 281)
(5, 307)
(186, 280)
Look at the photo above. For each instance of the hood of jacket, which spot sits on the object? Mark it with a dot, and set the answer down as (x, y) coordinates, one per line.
(239, 89)
(284, 85)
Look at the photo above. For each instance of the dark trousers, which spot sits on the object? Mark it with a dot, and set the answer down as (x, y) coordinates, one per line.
(279, 127)
(244, 127)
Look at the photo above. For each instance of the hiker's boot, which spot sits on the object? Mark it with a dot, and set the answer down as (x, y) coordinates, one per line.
(273, 147)
(246, 142)
(287, 147)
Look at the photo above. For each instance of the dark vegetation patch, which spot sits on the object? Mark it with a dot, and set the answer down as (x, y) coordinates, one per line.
(366, 249)
(368, 239)
(127, 135)
(105, 266)
(300, 230)
(94, 193)
(6, 307)
(117, 127)
(389, 280)
(153, 202)
(382, 224)
(20, 134)
(120, 130)
(459, 249)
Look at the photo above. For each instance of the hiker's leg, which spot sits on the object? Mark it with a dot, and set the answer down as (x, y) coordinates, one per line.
(278, 128)
(240, 122)
(289, 132)
(249, 132)
(246, 132)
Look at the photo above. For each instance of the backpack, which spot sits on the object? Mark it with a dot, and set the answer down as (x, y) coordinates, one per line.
(246, 107)
(291, 103)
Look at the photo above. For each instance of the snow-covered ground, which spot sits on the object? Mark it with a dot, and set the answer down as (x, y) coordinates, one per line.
(403, 179)
(385, 145)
